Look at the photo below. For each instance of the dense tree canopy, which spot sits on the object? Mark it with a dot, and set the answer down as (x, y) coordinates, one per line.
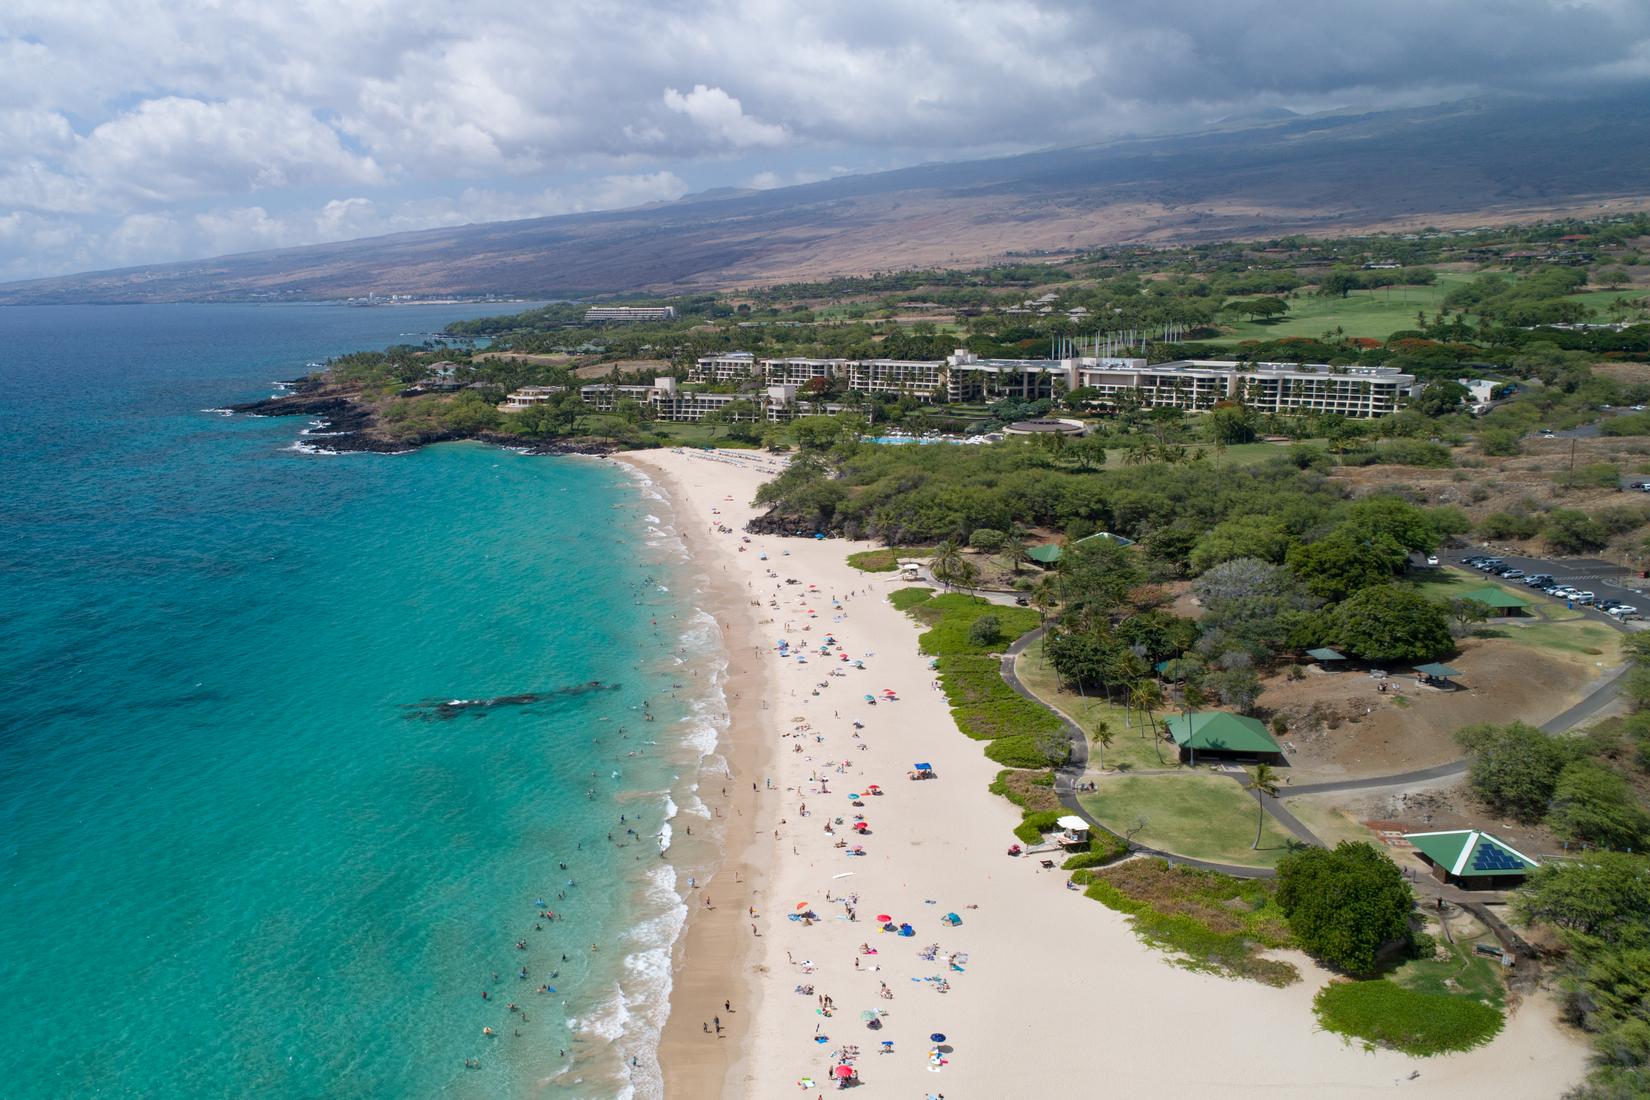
(1344, 905)
(1389, 623)
(1514, 769)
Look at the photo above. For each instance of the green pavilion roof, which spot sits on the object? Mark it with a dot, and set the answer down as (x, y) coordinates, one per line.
(1325, 655)
(1495, 596)
(1220, 731)
(1047, 554)
(1441, 672)
(1469, 853)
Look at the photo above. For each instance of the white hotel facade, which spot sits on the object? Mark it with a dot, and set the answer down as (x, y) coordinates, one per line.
(1191, 384)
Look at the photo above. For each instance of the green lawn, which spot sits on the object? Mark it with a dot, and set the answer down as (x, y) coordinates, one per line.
(695, 434)
(1552, 627)
(1373, 313)
(1326, 822)
(1189, 813)
(1602, 300)
(1129, 750)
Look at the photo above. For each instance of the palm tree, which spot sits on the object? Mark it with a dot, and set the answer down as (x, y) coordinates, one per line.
(1138, 451)
(1102, 740)
(1145, 696)
(1043, 597)
(947, 562)
(1264, 782)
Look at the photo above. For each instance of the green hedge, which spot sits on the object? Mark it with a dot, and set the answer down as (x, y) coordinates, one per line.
(1035, 823)
(984, 706)
(1104, 848)
(1383, 1013)
(887, 559)
(953, 613)
(1017, 750)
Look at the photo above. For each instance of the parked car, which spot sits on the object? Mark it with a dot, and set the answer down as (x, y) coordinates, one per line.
(1583, 596)
(1536, 580)
(1622, 610)
(1512, 574)
(1432, 559)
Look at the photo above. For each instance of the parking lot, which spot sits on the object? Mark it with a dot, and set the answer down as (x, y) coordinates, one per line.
(1608, 583)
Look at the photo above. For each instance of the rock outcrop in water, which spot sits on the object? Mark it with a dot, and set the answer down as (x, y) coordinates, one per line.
(444, 710)
(351, 423)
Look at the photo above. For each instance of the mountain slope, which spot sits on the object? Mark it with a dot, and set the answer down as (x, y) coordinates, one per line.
(1327, 174)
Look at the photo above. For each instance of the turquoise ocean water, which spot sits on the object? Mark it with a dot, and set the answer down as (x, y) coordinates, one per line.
(236, 857)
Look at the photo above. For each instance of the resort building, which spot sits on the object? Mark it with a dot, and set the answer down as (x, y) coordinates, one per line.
(800, 371)
(1195, 385)
(630, 313)
(667, 399)
(528, 396)
(730, 366)
(1198, 384)
(918, 378)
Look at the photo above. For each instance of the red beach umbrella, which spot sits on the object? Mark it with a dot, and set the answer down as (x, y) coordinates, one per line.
(845, 1071)
(884, 918)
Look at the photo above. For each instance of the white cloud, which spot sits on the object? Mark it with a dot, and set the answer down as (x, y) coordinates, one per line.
(345, 117)
(720, 114)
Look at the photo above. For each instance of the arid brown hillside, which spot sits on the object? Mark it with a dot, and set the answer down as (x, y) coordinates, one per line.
(1467, 163)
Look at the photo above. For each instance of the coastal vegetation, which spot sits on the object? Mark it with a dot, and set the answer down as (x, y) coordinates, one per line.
(1599, 907)
(1345, 905)
(1020, 733)
(1386, 1014)
(1204, 921)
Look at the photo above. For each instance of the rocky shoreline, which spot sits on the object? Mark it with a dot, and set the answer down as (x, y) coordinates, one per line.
(348, 426)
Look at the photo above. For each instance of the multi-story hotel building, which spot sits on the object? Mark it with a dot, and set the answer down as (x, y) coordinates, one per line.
(667, 399)
(630, 313)
(1194, 385)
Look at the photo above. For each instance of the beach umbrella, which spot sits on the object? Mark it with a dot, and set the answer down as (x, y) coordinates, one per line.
(801, 905)
(870, 698)
(868, 1015)
(852, 797)
(884, 918)
(845, 1071)
(936, 1038)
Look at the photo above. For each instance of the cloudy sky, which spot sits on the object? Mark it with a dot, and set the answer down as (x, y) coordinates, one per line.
(140, 131)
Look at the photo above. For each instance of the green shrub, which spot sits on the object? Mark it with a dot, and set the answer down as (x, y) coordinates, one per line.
(953, 616)
(985, 632)
(1344, 905)
(1017, 750)
(1104, 848)
(1035, 823)
(1383, 1013)
(1206, 921)
(1506, 525)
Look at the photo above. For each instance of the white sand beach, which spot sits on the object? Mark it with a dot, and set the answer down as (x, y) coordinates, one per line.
(1056, 995)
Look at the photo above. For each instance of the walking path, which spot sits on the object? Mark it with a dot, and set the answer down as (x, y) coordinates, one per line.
(1602, 695)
